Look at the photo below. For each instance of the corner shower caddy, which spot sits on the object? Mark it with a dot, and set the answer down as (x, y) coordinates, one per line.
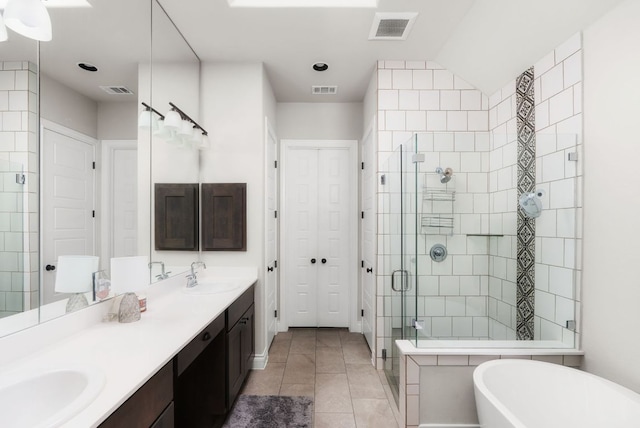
(436, 217)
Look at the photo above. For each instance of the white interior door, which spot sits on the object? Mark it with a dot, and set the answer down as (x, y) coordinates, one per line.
(271, 228)
(332, 238)
(319, 214)
(367, 237)
(68, 200)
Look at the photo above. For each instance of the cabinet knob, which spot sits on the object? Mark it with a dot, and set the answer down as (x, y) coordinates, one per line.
(49, 268)
(313, 261)
(324, 261)
(206, 336)
(270, 269)
(369, 270)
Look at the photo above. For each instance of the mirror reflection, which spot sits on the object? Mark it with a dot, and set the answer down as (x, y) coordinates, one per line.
(76, 169)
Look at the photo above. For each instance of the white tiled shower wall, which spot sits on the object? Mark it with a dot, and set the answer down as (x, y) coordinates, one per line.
(558, 89)
(421, 96)
(18, 203)
(477, 137)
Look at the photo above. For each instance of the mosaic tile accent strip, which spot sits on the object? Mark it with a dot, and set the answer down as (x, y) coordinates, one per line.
(525, 298)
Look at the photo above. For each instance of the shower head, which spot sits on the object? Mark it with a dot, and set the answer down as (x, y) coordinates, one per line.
(445, 174)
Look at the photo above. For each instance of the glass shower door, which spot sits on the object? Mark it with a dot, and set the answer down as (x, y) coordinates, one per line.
(393, 244)
(400, 268)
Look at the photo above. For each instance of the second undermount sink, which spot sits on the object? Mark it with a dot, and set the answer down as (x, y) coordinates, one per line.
(212, 286)
(47, 397)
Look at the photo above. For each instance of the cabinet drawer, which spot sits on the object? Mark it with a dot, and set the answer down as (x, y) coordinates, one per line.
(239, 307)
(195, 347)
(145, 406)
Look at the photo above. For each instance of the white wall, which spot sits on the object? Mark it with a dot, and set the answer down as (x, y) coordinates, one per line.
(118, 121)
(611, 289)
(233, 111)
(65, 106)
(320, 121)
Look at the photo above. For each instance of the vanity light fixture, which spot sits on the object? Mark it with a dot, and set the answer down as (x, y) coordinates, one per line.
(185, 131)
(28, 18)
(147, 120)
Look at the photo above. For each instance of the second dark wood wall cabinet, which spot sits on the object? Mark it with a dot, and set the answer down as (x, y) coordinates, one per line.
(224, 217)
(176, 217)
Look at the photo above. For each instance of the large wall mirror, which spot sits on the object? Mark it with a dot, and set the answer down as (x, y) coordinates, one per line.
(59, 116)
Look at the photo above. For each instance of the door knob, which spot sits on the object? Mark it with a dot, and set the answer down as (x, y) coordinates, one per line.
(324, 261)
(313, 261)
(49, 268)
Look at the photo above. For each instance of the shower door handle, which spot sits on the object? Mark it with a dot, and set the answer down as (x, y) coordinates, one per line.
(404, 277)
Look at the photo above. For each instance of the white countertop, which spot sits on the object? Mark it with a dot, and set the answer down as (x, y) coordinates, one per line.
(130, 354)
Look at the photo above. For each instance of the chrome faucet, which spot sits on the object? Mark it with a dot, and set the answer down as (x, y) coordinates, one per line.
(163, 275)
(192, 279)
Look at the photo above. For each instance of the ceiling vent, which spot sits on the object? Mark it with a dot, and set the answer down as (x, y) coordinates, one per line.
(324, 90)
(116, 90)
(392, 26)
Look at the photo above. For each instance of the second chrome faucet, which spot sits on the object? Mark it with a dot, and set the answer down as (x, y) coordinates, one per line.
(192, 279)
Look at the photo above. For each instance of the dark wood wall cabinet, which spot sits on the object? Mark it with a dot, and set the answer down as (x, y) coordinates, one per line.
(199, 386)
(176, 216)
(224, 217)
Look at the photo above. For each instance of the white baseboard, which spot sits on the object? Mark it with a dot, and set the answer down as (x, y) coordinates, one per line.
(260, 361)
(449, 426)
(356, 327)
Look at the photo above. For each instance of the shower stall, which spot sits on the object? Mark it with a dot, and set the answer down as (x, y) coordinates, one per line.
(464, 262)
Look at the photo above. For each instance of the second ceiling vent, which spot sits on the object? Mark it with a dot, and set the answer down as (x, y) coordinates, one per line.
(392, 26)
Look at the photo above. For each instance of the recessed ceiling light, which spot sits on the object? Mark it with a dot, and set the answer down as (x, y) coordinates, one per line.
(87, 67)
(57, 3)
(320, 66)
(303, 3)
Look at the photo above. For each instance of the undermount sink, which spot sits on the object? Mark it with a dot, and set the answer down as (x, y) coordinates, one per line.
(47, 397)
(212, 286)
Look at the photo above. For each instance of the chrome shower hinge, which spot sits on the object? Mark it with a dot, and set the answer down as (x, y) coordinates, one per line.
(571, 325)
(572, 156)
(21, 179)
(417, 157)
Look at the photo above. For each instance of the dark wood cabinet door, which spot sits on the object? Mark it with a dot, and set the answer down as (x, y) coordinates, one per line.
(176, 217)
(201, 389)
(144, 407)
(248, 340)
(224, 217)
(235, 366)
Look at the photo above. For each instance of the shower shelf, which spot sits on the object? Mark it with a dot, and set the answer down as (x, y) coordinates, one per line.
(436, 221)
(438, 195)
(436, 216)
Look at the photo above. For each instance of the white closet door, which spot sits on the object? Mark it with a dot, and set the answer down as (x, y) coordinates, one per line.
(319, 215)
(301, 202)
(271, 228)
(333, 237)
(68, 187)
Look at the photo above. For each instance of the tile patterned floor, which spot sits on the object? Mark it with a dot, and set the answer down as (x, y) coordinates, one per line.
(333, 367)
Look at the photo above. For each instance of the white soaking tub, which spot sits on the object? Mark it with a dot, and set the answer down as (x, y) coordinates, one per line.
(534, 394)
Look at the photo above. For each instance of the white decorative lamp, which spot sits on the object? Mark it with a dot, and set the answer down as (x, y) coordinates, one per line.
(74, 274)
(128, 275)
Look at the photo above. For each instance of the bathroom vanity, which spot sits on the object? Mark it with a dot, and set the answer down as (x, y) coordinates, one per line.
(181, 365)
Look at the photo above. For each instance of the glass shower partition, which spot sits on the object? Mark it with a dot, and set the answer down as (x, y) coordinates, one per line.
(14, 283)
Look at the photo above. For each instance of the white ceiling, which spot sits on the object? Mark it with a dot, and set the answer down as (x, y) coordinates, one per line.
(486, 42)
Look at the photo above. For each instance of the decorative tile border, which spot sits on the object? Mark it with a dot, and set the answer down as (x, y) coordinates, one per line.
(525, 112)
